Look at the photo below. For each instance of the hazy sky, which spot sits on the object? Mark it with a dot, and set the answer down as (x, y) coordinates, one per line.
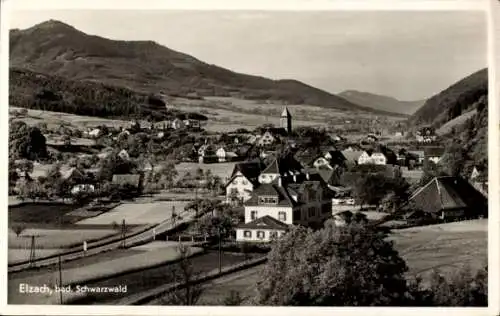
(408, 55)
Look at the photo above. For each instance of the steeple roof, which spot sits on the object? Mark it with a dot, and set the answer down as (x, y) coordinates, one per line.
(285, 112)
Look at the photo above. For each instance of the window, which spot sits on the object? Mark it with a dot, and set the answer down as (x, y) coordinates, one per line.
(261, 234)
(282, 216)
(253, 215)
(273, 235)
(268, 200)
(247, 234)
(325, 208)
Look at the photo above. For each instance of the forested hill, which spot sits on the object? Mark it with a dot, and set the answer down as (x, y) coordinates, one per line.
(53, 93)
(54, 47)
(453, 101)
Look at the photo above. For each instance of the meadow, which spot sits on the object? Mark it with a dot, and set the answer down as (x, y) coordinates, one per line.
(137, 213)
(223, 170)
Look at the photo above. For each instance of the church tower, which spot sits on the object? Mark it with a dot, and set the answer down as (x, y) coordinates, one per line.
(286, 120)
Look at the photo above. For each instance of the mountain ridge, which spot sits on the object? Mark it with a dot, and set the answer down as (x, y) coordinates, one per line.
(54, 47)
(381, 102)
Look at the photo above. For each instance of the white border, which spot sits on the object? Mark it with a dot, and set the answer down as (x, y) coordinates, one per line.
(444, 5)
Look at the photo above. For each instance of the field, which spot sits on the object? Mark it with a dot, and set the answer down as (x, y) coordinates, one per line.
(56, 238)
(445, 246)
(137, 213)
(39, 213)
(223, 170)
(242, 282)
(141, 259)
(18, 255)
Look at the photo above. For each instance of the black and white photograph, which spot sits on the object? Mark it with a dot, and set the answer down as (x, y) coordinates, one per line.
(247, 158)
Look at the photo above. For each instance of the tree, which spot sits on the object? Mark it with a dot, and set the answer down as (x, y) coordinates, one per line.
(166, 174)
(66, 140)
(351, 265)
(189, 291)
(233, 299)
(18, 228)
(370, 189)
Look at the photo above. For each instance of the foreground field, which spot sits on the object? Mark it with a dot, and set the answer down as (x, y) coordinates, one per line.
(446, 247)
(138, 213)
(80, 275)
(37, 213)
(56, 238)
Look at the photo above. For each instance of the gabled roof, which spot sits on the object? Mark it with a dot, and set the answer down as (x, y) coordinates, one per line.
(250, 170)
(265, 222)
(283, 165)
(442, 193)
(352, 155)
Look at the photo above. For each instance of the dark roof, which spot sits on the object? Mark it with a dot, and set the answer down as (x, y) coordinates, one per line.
(250, 169)
(442, 193)
(433, 151)
(338, 157)
(272, 189)
(265, 222)
(283, 165)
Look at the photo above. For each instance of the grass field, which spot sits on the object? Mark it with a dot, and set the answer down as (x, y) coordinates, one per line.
(137, 213)
(445, 246)
(18, 255)
(223, 170)
(80, 275)
(48, 213)
(56, 238)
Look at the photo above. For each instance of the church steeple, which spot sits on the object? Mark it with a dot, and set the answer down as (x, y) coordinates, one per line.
(286, 120)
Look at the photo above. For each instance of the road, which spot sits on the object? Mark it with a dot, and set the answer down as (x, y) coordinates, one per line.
(107, 244)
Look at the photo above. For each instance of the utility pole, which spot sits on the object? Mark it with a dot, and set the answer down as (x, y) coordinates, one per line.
(220, 250)
(60, 281)
(123, 233)
(32, 250)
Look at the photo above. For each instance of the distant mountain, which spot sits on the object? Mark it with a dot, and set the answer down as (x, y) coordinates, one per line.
(53, 47)
(452, 102)
(381, 102)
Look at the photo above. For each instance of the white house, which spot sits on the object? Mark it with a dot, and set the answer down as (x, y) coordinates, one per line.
(286, 197)
(177, 124)
(266, 139)
(243, 180)
(375, 158)
(223, 155)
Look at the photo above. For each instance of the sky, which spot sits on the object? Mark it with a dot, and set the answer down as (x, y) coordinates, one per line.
(409, 55)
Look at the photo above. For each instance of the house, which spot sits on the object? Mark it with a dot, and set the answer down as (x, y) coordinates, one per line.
(263, 229)
(448, 198)
(426, 135)
(123, 154)
(133, 180)
(433, 154)
(375, 158)
(330, 159)
(243, 180)
(207, 154)
(266, 139)
(94, 133)
(352, 156)
(223, 155)
(299, 199)
(282, 166)
(178, 124)
(419, 156)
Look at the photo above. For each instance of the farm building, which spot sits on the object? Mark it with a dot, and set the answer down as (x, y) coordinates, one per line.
(449, 198)
(352, 156)
(330, 159)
